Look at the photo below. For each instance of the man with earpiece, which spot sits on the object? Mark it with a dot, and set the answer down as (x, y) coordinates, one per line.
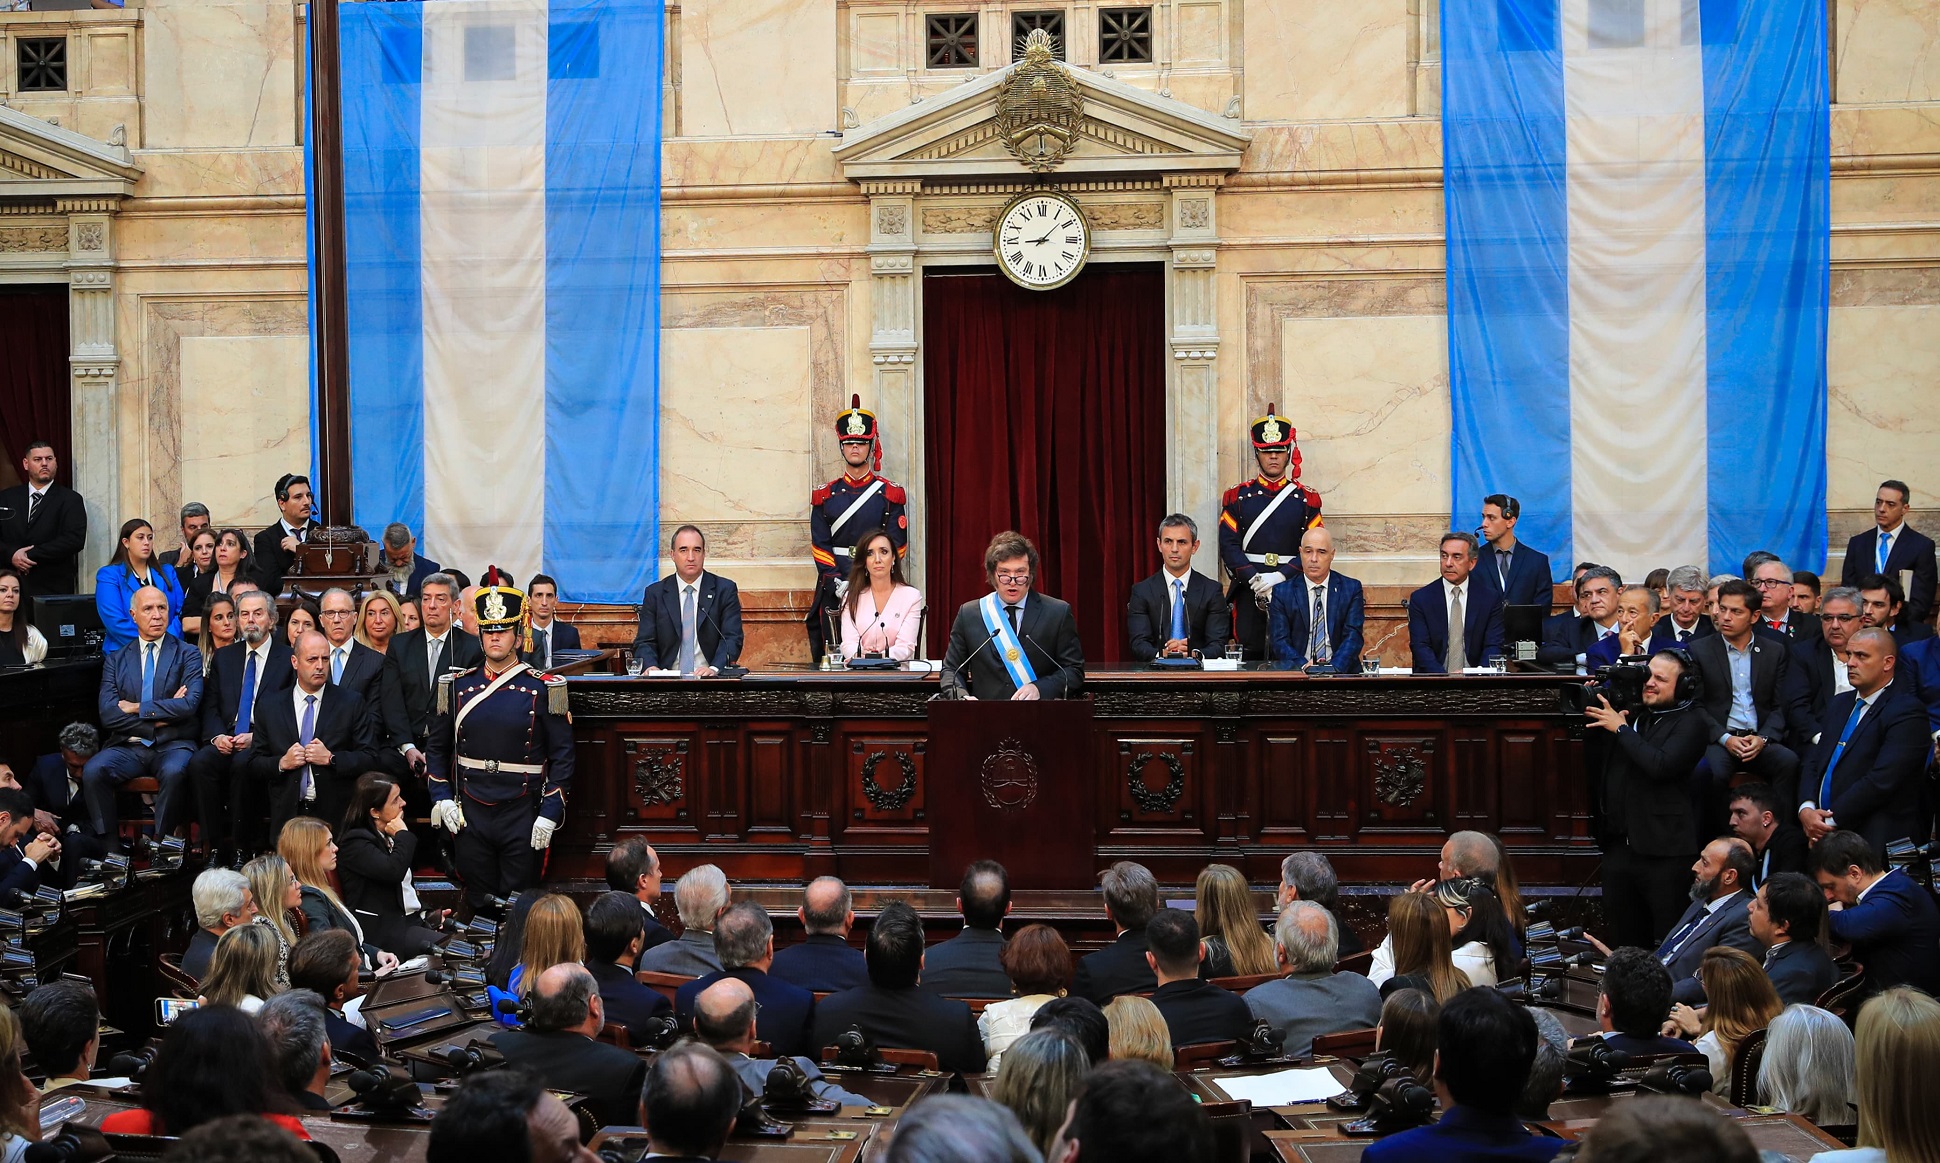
(1647, 821)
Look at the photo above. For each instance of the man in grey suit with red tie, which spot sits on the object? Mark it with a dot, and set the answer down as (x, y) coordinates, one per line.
(690, 621)
(1891, 546)
(1451, 623)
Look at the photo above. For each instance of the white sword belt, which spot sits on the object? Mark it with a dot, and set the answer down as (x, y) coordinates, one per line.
(494, 766)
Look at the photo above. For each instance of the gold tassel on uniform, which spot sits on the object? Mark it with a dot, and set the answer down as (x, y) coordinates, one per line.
(556, 700)
(444, 693)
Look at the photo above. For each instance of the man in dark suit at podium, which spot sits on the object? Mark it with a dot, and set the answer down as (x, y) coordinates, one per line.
(1012, 643)
(1337, 598)
(1178, 611)
(1505, 565)
(690, 621)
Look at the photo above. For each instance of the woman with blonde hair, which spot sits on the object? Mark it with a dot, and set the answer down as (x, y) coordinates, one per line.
(243, 971)
(1236, 944)
(1042, 1073)
(1807, 1068)
(19, 1098)
(277, 895)
(554, 935)
(1898, 1052)
(378, 617)
(1138, 1030)
(312, 856)
(1739, 1001)
(1416, 952)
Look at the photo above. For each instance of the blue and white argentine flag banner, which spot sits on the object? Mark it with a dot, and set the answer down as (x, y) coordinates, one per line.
(502, 193)
(1639, 232)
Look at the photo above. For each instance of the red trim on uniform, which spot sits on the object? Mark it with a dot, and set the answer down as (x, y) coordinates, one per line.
(895, 492)
(821, 495)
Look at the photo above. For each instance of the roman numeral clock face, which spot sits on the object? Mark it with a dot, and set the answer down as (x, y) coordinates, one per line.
(1042, 240)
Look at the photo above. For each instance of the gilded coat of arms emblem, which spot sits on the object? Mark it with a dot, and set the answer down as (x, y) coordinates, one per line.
(1009, 777)
(494, 608)
(857, 425)
(1039, 107)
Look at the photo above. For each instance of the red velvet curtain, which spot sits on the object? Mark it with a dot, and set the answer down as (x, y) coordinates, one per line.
(33, 375)
(1045, 413)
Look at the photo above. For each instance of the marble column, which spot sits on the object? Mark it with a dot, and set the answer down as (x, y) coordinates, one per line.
(895, 389)
(1192, 405)
(94, 367)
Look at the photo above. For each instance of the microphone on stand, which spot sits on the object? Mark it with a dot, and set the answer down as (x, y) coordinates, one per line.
(956, 692)
(1065, 693)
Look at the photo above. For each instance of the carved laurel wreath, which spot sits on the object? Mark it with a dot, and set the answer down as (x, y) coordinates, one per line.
(657, 776)
(1164, 799)
(888, 799)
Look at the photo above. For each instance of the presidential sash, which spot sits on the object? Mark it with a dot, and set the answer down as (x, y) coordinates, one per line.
(1009, 651)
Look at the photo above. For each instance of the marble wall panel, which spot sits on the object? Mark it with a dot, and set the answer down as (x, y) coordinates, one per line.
(733, 403)
(245, 421)
(804, 160)
(219, 73)
(1883, 373)
(1305, 62)
(757, 67)
(1885, 50)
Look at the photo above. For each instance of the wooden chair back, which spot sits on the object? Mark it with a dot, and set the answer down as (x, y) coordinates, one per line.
(1358, 963)
(169, 965)
(664, 984)
(1745, 1061)
(1842, 997)
(1246, 982)
(1201, 1054)
(1346, 1044)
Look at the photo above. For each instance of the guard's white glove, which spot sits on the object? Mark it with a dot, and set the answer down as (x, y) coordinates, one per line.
(448, 815)
(1263, 583)
(842, 589)
(542, 830)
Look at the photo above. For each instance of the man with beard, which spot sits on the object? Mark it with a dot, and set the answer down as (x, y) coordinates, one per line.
(1719, 915)
(404, 566)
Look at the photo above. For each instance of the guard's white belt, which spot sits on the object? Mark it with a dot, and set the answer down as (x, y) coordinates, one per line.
(1268, 559)
(839, 552)
(495, 766)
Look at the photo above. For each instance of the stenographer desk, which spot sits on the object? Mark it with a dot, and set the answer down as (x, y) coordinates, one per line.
(789, 773)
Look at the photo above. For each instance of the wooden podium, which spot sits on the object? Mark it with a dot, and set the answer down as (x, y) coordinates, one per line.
(1011, 782)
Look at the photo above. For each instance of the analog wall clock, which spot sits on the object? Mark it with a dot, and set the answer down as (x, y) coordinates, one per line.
(1042, 240)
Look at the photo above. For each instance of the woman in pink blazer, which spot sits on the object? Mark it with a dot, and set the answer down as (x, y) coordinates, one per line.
(881, 614)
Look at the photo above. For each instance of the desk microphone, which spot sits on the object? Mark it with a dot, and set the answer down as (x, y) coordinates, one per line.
(957, 692)
(882, 624)
(1065, 693)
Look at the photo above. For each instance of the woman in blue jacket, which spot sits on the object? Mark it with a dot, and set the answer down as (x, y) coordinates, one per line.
(132, 567)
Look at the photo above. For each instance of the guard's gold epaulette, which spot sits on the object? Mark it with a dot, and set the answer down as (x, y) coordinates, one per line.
(556, 700)
(444, 691)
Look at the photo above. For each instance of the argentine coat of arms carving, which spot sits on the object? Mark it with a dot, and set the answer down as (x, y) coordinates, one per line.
(1039, 107)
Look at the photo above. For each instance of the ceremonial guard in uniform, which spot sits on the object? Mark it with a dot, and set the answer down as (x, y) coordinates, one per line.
(500, 754)
(857, 502)
(1261, 523)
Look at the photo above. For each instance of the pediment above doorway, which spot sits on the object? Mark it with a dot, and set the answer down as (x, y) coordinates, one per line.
(1123, 129)
(40, 161)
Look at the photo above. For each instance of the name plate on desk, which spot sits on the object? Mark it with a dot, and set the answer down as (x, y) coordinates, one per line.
(1216, 664)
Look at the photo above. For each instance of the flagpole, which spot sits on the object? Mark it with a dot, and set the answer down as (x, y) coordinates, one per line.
(332, 339)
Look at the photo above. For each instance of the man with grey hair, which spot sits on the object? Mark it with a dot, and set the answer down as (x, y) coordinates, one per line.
(1773, 581)
(1312, 999)
(55, 784)
(1451, 623)
(824, 961)
(1566, 643)
(1131, 899)
(559, 1045)
(1686, 591)
(1307, 876)
(232, 806)
(701, 896)
(1636, 614)
(1178, 611)
(195, 518)
(744, 938)
(222, 900)
(959, 1128)
(404, 567)
(414, 663)
(299, 1045)
(725, 1018)
(1818, 670)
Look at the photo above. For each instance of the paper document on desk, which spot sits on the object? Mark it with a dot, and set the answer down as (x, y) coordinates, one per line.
(1282, 1087)
(656, 672)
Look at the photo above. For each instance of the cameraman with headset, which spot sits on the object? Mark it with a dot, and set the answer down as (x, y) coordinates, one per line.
(1649, 827)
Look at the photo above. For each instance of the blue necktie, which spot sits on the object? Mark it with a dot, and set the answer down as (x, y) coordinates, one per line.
(246, 703)
(147, 682)
(337, 666)
(1885, 551)
(1178, 608)
(306, 732)
(1825, 785)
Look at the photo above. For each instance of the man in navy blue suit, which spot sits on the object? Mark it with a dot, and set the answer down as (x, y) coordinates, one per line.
(633, 867)
(1905, 548)
(824, 961)
(1867, 773)
(1291, 625)
(1485, 1045)
(1636, 617)
(1443, 644)
(545, 634)
(1178, 610)
(405, 568)
(1887, 917)
(745, 939)
(614, 931)
(690, 621)
(1567, 640)
(1919, 665)
(1516, 571)
(1686, 592)
(1633, 1001)
(151, 690)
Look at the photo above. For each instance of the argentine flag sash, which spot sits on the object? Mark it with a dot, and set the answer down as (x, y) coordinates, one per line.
(1010, 651)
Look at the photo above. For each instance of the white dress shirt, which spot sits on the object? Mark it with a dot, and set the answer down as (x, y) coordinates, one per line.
(431, 648)
(298, 697)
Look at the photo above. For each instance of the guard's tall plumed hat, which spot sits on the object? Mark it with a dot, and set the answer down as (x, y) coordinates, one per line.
(498, 607)
(1274, 432)
(855, 423)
